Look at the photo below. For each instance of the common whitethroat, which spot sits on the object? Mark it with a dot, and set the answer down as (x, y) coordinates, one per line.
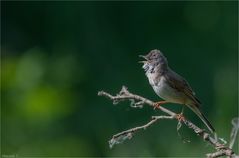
(169, 85)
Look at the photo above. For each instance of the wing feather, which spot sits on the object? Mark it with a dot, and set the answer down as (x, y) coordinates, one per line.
(179, 83)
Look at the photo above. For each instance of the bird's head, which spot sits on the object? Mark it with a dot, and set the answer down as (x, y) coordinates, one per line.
(154, 58)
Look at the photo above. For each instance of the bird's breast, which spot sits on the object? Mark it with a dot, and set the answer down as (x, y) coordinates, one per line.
(166, 92)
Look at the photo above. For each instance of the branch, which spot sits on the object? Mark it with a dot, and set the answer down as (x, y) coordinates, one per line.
(138, 101)
(235, 124)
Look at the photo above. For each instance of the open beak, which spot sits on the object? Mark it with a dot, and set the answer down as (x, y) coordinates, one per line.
(143, 62)
(142, 56)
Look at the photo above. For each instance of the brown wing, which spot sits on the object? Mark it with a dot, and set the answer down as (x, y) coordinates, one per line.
(179, 83)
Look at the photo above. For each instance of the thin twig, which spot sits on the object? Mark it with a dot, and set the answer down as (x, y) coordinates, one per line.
(128, 134)
(124, 94)
(132, 130)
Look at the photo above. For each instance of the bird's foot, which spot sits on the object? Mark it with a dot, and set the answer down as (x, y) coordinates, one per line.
(158, 104)
(180, 117)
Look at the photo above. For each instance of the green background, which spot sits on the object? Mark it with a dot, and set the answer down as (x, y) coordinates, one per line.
(56, 56)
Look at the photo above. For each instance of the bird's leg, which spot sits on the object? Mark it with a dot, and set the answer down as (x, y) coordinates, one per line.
(182, 110)
(158, 104)
(180, 116)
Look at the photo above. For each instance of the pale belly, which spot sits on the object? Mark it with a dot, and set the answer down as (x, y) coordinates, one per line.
(167, 93)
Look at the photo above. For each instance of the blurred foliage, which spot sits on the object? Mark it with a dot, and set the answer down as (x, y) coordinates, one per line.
(55, 56)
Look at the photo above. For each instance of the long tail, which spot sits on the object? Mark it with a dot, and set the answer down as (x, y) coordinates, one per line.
(196, 110)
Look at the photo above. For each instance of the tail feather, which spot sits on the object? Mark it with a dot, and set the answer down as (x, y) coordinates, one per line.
(202, 117)
(207, 123)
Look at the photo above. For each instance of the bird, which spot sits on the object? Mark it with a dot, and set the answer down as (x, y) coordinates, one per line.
(170, 86)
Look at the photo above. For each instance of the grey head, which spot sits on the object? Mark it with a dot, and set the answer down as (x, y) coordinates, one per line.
(154, 61)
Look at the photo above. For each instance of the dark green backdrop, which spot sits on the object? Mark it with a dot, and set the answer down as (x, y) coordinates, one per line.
(57, 55)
